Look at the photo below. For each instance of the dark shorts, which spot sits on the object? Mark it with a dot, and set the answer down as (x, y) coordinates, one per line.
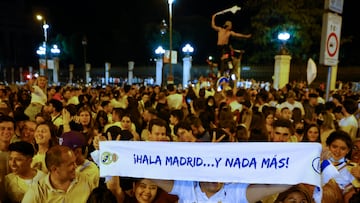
(223, 49)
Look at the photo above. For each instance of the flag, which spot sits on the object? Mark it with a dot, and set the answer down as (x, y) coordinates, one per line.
(311, 71)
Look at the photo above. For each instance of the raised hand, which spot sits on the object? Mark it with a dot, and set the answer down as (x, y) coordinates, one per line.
(219, 139)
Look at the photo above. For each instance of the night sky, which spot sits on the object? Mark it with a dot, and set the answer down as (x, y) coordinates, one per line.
(110, 26)
(115, 29)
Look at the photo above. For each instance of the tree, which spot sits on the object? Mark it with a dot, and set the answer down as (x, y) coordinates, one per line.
(301, 18)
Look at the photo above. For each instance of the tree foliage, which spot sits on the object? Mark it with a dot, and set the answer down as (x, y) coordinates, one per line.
(301, 18)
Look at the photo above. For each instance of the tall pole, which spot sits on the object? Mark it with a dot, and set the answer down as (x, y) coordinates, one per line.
(45, 26)
(170, 77)
(84, 43)
(163, 29)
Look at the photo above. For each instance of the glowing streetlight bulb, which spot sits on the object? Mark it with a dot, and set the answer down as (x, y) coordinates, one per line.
(188, 48)
(283, 36)
(159, 50)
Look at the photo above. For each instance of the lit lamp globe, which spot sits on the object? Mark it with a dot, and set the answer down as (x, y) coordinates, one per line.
(188, 49)
(159, 51)
(283, 37)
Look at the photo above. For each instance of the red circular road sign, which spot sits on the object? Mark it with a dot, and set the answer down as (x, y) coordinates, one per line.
(332, 44)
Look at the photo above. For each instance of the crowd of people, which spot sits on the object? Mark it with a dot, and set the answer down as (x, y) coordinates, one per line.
(49, 136)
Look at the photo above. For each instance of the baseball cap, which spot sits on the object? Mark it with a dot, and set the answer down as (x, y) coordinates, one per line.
(73, 139)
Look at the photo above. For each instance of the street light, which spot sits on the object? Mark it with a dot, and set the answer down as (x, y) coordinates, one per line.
(283, 36)
(45, 26)
(41, 50)
(188, 49)
(159, 51)
(170, 2)
(55, 50)
(159, 65)
(163, 28)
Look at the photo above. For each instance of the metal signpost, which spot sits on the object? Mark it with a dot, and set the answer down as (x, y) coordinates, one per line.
(330, 37)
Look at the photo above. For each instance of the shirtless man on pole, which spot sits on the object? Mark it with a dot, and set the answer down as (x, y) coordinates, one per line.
(224, 34)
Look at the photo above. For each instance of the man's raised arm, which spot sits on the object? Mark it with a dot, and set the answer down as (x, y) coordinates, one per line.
(213, 25)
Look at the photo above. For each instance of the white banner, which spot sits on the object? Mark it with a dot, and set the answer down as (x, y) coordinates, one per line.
(269, 163)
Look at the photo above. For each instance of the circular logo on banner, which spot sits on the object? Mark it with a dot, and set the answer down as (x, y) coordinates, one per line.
(332, 44)
(316, 165)
(108, 158)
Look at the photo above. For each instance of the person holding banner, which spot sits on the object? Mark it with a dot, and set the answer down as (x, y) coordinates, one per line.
(339, 144)
(194, 191)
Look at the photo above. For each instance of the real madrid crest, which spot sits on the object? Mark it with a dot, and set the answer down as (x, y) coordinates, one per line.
(108, 158)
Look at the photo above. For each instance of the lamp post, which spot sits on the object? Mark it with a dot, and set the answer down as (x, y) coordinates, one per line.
(188, 50)
(283, 36)
(45, 26)
(159, 65)
(282, 63)
(170, 77)
(55, 51)
(87, 66)
(84, 43)
(41, 52)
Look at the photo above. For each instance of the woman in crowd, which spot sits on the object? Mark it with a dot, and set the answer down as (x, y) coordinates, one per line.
(143, 191)
(269, 115)
(45, 137)
(312, 133)
(100, 121)
(87, 123)
(126, 124)
(146, 191)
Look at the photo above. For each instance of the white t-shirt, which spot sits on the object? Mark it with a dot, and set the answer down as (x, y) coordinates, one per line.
(350, 125)
(189, 192)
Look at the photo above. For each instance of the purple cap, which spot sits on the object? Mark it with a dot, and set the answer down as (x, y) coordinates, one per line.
(73, 139)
